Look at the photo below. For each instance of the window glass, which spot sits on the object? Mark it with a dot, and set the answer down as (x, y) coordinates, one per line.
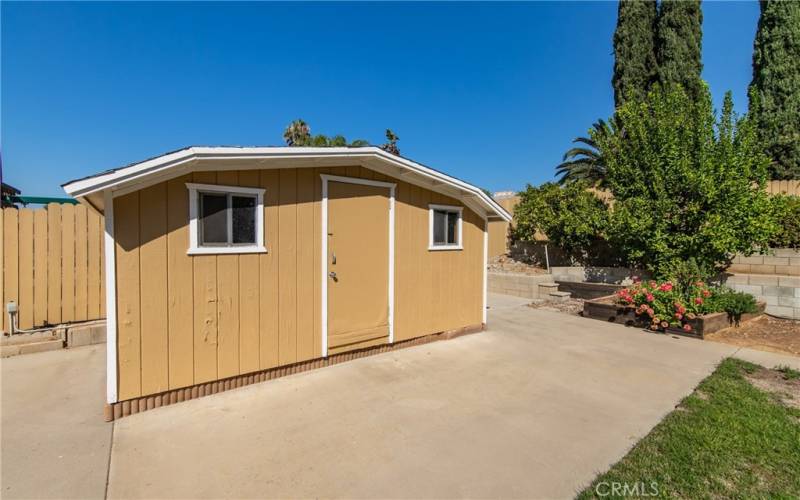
(439, 223)
(213, 218)
(452, 225)
(244, 219)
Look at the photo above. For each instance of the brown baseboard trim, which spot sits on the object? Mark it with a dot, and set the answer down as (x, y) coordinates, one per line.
(121, 409)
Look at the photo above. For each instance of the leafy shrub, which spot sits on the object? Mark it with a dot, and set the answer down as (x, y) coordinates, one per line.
(686, 183)
(572, 218)
(786, 211)
(732, 302)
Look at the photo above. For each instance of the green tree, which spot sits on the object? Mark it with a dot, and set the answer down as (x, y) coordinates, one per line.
(775, 89)
(685, 182)
(634, 49)
(679, 43)
(571, 216)
(584, 163)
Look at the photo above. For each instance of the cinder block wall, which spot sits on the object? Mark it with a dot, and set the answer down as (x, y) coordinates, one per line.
(783, 261)
(781, 293)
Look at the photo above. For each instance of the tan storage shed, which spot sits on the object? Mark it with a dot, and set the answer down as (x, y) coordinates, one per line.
(227, 266)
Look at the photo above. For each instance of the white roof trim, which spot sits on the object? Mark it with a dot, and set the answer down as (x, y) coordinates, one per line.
(140, 172)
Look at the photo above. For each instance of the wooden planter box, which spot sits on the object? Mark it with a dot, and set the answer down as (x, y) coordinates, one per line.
(605, 309)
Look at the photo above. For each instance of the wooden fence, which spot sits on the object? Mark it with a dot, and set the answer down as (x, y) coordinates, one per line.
(52, 265)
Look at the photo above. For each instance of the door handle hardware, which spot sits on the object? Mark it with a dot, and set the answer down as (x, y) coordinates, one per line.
(332, 274)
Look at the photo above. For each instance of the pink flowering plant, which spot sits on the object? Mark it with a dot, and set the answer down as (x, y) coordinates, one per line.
(663, 304)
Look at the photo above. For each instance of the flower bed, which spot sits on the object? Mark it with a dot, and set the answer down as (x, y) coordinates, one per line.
(692, 309)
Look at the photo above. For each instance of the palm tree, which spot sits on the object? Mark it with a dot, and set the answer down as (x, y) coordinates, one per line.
(298, 133)
(391, 146)
(585, 163)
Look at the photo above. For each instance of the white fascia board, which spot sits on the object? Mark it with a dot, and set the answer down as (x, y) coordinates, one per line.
(134, 173)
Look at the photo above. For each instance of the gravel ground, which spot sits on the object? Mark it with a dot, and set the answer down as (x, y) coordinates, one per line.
(569, 306)
(505, 264)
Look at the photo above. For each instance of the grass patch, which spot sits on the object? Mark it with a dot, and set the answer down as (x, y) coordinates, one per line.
(727, 440)
(788, 372)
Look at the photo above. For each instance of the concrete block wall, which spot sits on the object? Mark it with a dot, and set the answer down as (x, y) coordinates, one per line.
(780, 261)
(781, 293)
(595, 274)
(519, 285)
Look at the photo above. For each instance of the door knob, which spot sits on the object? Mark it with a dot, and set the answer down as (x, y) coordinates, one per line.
(332, 274)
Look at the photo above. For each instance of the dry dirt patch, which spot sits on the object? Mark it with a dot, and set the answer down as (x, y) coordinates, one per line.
(765, 333)
(786, 388)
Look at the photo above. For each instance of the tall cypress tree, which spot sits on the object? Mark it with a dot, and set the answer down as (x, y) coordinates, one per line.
(775, 89)
(634, 49)
(678, 44)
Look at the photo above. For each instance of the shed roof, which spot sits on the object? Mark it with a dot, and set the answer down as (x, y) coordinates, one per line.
(90, 190)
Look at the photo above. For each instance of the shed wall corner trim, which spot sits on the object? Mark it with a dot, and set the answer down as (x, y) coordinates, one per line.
(111, 300)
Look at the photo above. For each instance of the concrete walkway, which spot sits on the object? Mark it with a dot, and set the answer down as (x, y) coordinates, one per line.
(534, 407)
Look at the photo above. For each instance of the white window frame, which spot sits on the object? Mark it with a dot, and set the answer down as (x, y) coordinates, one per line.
(194, 213)
(448, 208)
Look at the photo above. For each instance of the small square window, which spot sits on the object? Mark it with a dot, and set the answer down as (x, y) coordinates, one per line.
(225, 219)
(445, 228)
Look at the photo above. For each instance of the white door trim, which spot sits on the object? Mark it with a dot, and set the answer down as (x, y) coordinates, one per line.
(324, 235)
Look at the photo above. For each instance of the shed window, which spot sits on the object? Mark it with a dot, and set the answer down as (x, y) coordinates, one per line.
(225, 219)
(445, 228)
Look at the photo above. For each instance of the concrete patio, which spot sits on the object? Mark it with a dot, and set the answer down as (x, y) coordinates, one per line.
(537, 415)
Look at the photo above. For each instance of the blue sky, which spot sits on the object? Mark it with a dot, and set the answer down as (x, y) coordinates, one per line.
(491, 93)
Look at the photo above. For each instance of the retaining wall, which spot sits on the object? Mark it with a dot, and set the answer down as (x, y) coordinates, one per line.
(520, 285)
(781, 293)
(785, 261)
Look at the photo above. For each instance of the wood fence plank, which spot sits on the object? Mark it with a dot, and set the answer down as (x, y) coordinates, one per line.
(81, 263)
(102, 223)
(67, 263)
(93, 248)
(153, 283)
(10, 258)
(126, 232)
(3, 315)
(54, 263)
(179, 283)
(25, 257)
(40, 267)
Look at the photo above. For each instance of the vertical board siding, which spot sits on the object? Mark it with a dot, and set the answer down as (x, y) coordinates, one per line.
(227, 301)
(153, 263)
(269, 311)
(180, 286)
(205, 306)
(206, 317)
(249, 277)
(37, 246)
(126, 235)
(287, 272)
